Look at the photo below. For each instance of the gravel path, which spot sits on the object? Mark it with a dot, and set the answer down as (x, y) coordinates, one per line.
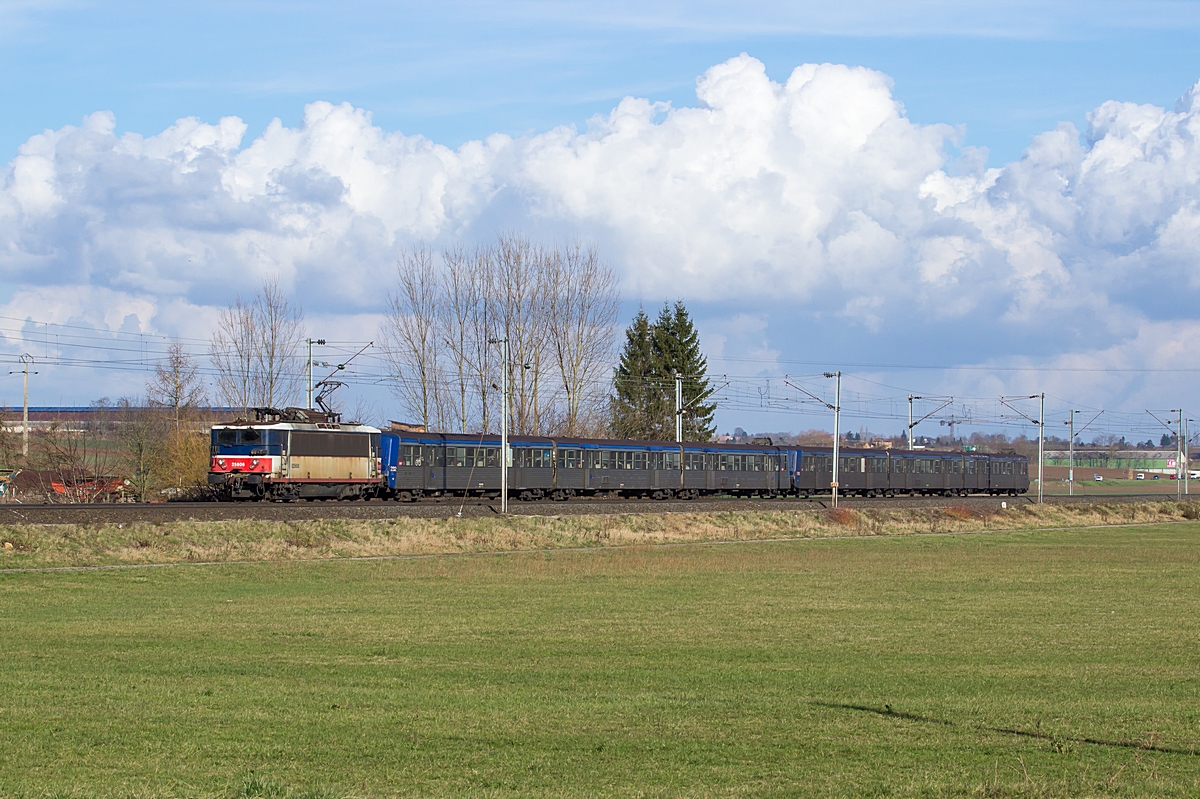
(11, 513)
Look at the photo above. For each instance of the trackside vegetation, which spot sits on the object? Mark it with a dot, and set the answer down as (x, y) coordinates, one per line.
(1032, 662)
(58, 545)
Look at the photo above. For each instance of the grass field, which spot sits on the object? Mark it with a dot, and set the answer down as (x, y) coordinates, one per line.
(1034, 663)
(1086, 486)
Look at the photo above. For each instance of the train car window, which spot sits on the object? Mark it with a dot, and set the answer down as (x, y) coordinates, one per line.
(410, 456)
(226, 436)
(250, 436)
(493, 458)
(456, 457)
(693, 461)
(639, 460)
(570, 458)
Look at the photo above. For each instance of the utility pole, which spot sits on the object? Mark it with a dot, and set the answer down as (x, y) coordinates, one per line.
(678, 408)
(912, 424)
(836, 407)
(503, 342)
(1071, 462)
(837, 422)
(910, 421)
(26, 362)
(1179, 457)
(1041, 426)
(1041, 444)
(310, 342)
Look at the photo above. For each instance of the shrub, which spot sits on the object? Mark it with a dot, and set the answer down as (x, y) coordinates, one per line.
(842, 516)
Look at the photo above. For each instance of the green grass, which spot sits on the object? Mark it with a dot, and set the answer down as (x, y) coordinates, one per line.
(1013, 664)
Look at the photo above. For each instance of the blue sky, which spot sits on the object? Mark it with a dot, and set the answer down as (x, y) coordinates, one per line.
(455, 71)
(920, 213)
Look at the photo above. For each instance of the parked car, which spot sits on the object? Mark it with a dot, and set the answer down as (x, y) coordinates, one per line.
(1140, 476)
(1099, 478)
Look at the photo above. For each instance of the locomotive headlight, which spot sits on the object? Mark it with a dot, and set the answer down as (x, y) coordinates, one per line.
(220, 463)
(254, 463)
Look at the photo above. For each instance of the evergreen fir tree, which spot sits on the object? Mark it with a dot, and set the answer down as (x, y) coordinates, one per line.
(634, 401)
(677, 350)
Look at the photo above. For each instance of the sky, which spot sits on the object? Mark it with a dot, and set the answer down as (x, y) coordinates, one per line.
(939, 198)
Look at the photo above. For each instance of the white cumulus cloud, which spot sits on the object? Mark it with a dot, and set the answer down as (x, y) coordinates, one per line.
(810, 202)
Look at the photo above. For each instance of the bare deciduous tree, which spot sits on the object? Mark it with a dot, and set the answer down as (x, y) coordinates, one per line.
(232, 350)
(582, 314)
(281, 332)
(521, 300)
(142, 434)
(255, 350)
(176, 384)
(409, 337)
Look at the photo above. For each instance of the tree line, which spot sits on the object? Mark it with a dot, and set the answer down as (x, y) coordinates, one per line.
(555, 305)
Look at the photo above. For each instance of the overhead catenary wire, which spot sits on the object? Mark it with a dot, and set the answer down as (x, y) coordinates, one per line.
(73, 346)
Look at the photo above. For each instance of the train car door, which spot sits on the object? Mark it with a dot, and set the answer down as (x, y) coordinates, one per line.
(434, 459)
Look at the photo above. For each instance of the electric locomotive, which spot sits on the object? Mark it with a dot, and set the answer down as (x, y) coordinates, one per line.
(295, 454)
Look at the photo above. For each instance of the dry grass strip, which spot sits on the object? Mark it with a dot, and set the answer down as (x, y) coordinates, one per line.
(40, 546)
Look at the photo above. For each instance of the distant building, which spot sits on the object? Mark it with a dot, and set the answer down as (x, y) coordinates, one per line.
(1143, 460)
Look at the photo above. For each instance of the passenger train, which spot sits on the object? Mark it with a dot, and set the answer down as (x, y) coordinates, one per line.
(299, 454)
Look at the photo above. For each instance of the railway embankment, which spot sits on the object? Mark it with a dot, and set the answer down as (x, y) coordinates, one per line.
(144, 543)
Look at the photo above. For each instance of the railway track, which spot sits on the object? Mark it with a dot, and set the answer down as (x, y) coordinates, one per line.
(12, 513)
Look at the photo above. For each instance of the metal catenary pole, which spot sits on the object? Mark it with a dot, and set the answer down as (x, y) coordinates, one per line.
(310, 342)
(837, 422)
(1179, 457)
(1041, 444)
(26, 361)
(504, 428)
(1071, 462)
(678, 408)
(503, 342)
(910, 421)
